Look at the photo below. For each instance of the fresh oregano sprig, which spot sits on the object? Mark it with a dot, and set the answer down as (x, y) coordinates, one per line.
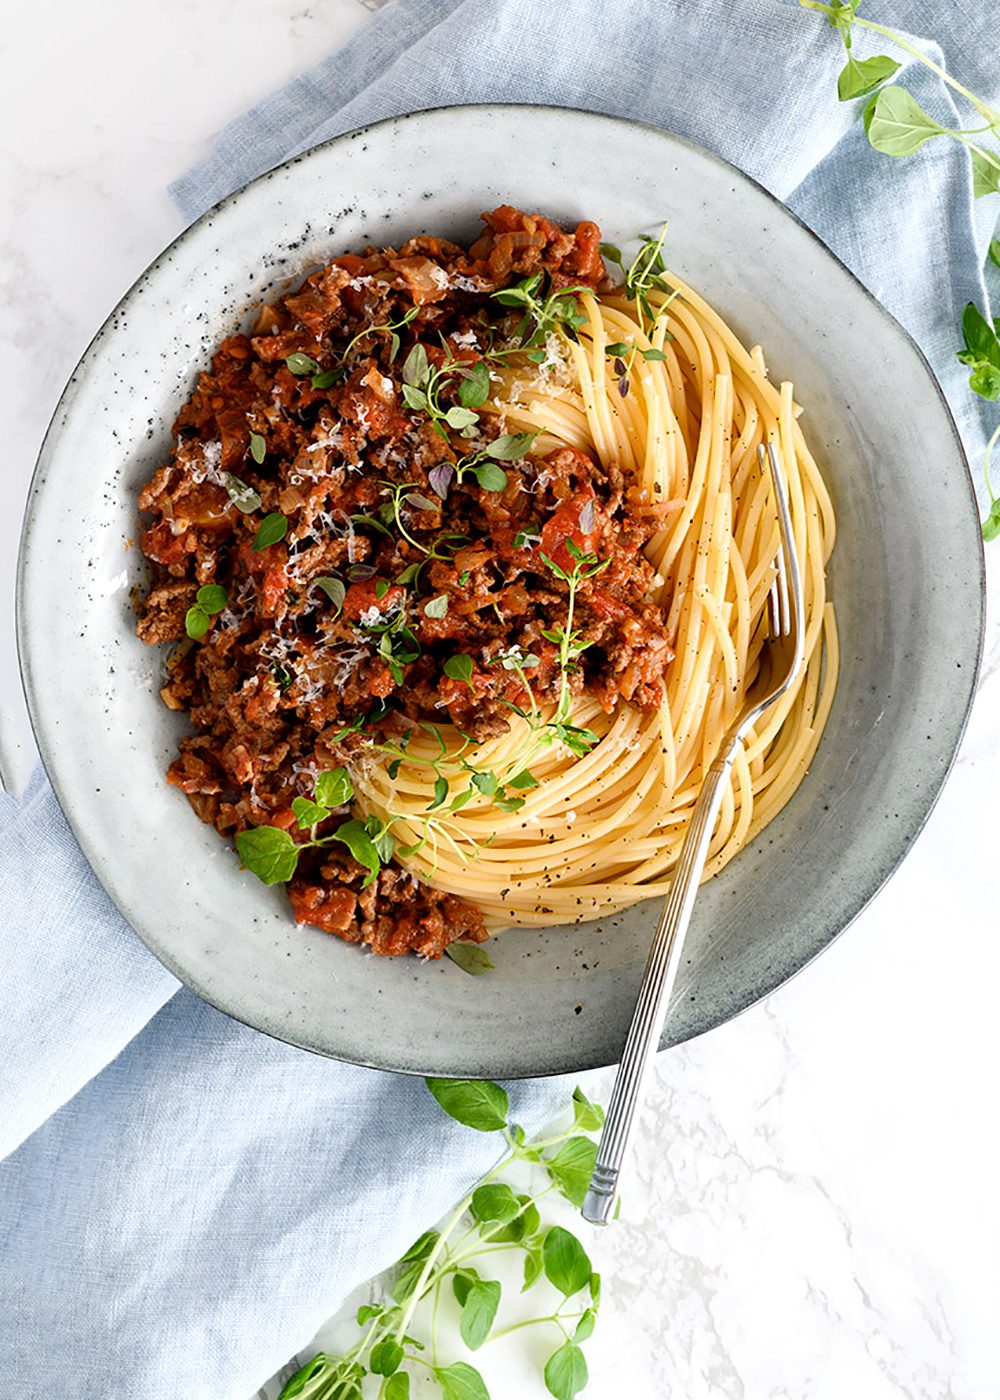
(447, 1268)
(545, 311)
(392, 326)
(424, 384)
(981, 353)
(272, 853)
(897, 126)
(210, 599)
(571, 644)
(895, 123)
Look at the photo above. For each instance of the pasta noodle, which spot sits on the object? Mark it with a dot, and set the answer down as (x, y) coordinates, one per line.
(603, 830)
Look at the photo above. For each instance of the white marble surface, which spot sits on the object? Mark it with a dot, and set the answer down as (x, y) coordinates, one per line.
(814, 1212)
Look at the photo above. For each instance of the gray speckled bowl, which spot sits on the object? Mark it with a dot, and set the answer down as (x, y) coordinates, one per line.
(906, 578)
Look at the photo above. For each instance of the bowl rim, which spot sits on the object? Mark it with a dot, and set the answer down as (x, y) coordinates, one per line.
(863, 896)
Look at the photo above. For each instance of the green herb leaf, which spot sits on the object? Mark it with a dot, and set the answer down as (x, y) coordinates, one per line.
(416, 367)
(333, 788)
(273, 528)
(440, 792)
(421, 1246)
(985, 381)
(407, 1281)
(487, 783)
(618, 349)
(532, 1268)
(985, 177)
(980, 337)
(312, 1370)
(461, 1382)
(586, 1115)
(414, 498)
(611, 254)
(243, 497)
(495, 1201)
(333, 588)
(308, 813)
(436, 607)
(863, 75)
(490, 477)
(258, 448)
(478, 1103)
(269, 853)
(462, 1283)
(595, 1279)
(415, 398)
(327, 378)
(566, 1372)
(458, 417)
(585, 1326)
(991, 525)
(301, 364)
(459, 668)
(212, 597)
(470, 957)
(478, 1313)
(652, 354)
(509, 804)
(385, 844)
(475, 386)
(517, 1229)
(510, 447)
(572, 1167)
(578, 741)
(196, 622)
(898, 125)
(523, 780)
(995, 252)
(385, 1357)
(368, 1312)
(398, 1387)
(565, 1261)
(354, 836)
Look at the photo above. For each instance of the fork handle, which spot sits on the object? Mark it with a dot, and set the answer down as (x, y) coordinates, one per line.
(654, 994)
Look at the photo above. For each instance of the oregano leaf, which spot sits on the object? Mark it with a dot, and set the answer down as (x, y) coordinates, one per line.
(477, 1103)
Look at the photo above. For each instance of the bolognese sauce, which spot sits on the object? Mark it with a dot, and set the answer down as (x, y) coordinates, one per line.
(343, 514)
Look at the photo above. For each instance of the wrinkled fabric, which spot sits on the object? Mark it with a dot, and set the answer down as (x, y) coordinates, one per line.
(184, 1200)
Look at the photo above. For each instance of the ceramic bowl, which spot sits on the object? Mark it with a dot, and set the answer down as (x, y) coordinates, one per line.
(906, 578)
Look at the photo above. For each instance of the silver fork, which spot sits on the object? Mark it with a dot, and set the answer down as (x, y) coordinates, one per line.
(781, 662)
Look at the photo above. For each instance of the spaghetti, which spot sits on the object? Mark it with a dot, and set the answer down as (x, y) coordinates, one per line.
(602, 831)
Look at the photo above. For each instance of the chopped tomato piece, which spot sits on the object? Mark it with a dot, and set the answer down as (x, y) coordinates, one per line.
(329, 907)
(565, 525)
(161, 544)
(605, 606)
(274, 590)
(361, 597)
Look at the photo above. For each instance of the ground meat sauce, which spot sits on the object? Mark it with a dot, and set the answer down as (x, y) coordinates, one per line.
(281, 672)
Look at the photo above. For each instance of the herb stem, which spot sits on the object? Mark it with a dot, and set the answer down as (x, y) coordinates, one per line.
(434, 1320)
(420, 1288)
(528, 1322)
(977, 150)
(991, 116)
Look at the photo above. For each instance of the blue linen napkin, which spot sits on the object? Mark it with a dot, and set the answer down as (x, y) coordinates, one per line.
(184, 1201)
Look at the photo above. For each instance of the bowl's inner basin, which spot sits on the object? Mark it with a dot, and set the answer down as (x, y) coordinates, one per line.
(559, 999)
